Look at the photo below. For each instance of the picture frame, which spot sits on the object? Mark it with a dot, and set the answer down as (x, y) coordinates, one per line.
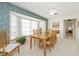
(55, 25)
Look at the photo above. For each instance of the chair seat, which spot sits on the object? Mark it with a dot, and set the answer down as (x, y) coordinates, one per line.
(10, 47)
(48, 42)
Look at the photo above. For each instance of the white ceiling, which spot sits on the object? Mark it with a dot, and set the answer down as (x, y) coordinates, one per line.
(43, 8)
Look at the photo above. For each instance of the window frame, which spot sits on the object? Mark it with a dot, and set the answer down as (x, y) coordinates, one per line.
(20, 16)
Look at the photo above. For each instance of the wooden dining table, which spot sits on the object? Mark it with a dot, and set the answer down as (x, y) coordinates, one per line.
(42, 37)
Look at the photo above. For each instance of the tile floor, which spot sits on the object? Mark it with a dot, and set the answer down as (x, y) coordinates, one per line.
(64, 47)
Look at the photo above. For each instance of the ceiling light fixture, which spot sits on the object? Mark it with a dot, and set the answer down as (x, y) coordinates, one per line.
(53, 12)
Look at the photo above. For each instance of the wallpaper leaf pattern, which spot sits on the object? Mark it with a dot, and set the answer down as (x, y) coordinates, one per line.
(5, 9)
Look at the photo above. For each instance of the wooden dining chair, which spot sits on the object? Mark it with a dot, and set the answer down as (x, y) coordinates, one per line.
(51, 41)
(6, 48)
(53, 38)
(36, 32)
(3, 41)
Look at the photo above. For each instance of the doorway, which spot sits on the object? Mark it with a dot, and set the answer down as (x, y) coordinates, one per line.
(69, 28)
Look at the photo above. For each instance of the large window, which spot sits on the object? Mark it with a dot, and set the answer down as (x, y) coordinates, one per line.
(21, 26)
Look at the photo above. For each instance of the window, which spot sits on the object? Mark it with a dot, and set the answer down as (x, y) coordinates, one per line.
(13, 27)
(25, 27)
(34, 25)
(20, 26)
(28, 26)
(42, 25)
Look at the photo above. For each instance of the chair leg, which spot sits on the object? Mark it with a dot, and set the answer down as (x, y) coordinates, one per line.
(53, 45)
(4, 53)
(39, 44)
(18, 49)
(34, 41)
(55, 41)
(49, 48)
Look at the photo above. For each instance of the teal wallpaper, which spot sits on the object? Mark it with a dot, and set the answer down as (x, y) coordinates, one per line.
(5, 9)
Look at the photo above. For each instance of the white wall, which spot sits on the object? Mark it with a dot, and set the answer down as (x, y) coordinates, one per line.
(56, 19)
(60, 19)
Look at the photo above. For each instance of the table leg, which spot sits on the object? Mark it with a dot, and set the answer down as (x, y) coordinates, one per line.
(44, 48)
(30, 42)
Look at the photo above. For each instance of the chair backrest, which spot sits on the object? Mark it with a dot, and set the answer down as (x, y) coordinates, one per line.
(0, 39)
(41, 31)
(35, 31)
(3, 39)
(49, 32)
(53, 37)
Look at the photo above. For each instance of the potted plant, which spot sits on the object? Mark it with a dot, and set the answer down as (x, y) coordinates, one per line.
(21, 40)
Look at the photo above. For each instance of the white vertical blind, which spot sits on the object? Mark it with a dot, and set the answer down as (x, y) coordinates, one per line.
(13, 27)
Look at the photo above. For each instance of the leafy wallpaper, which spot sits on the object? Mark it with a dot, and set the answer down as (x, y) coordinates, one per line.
(5, 9)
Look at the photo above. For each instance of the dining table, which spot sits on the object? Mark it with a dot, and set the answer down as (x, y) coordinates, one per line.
(42, 37)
